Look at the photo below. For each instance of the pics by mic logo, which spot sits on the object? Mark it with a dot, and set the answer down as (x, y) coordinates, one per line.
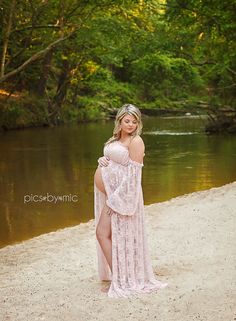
(50, 198)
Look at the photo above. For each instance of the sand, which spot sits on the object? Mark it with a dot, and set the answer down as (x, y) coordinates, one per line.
(192, 241)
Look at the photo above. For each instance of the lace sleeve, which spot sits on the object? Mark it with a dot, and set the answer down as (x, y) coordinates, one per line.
(124, 199)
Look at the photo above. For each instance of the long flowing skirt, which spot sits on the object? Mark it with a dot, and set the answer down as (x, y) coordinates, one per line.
(132, 272)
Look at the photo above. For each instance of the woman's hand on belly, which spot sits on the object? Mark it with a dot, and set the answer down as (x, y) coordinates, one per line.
(103, 161)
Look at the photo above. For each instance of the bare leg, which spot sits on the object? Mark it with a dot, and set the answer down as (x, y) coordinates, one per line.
(103, 233)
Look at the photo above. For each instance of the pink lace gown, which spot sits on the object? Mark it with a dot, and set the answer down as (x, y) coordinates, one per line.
(131, 263)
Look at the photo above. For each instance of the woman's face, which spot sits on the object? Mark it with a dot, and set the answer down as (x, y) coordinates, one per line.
(128, 124)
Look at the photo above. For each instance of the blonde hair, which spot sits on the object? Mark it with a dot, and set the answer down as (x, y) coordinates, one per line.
(126, 109)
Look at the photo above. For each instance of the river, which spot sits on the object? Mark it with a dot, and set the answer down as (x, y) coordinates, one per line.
(47, 173)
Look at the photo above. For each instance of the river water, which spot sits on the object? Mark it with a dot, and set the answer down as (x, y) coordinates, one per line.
(47, 173)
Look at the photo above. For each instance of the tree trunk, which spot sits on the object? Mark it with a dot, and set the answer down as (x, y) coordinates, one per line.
(44, 74)
(55, 104)
(6, 36)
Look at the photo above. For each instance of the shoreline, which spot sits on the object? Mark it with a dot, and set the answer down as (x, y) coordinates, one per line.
(191, 238)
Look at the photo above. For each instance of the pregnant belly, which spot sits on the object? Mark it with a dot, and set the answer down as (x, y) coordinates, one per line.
(98, 180)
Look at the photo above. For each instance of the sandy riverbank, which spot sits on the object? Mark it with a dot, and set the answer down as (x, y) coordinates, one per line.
(192, 240)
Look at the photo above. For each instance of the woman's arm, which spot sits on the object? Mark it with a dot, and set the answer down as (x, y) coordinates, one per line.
(136, 149)
(125, 198)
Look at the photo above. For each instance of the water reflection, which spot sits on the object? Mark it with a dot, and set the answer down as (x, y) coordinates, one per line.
(61, 161)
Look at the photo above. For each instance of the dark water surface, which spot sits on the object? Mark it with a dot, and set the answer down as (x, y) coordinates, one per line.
(60, 163)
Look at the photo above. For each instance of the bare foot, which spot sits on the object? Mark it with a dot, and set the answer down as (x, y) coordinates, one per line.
(105, 289)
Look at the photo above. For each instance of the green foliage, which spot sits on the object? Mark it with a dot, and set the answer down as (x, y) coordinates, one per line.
(9, 116)
(155, 73)
(24, 111)
(208, 41)
(91, 112)
(151, 53)
(100, 92)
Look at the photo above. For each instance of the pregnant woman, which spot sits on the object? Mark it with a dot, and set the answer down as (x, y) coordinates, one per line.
(121, 239)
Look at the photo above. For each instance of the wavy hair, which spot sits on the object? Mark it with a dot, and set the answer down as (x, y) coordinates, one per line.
(126, 109)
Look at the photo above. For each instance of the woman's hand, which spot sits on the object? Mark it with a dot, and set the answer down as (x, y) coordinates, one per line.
(103, 161)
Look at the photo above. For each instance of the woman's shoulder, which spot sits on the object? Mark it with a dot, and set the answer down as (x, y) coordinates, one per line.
(137, 149)
(137, 143)
(137, 140)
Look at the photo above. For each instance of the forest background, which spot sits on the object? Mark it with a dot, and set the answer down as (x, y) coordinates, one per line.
(69, 61)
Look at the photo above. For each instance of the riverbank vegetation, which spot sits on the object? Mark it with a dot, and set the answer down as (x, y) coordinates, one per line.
(64, 61)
